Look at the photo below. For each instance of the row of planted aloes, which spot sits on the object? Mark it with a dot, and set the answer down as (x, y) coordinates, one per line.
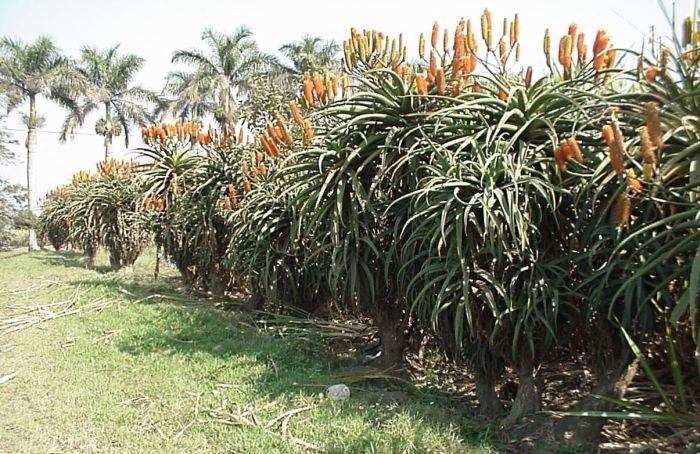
(515, 221)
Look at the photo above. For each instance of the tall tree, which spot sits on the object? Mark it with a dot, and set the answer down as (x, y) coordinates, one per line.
(28, 71)
(311, 53)
(221, 74)
(108, 85)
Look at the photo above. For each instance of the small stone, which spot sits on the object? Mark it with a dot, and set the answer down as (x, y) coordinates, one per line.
(338, 392)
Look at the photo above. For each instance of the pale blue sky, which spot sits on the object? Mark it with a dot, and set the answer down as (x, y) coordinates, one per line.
(153, 29)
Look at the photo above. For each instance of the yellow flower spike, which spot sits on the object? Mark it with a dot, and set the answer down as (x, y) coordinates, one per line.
(565, 53)
(648, 171)
(546, 45)
(446, 41)
(517, 52)
(516, 28)
(505, 27)
(528, 77)
(512, 34)
(687, 35)
(469, 34)
(345, 81)
(421, 46)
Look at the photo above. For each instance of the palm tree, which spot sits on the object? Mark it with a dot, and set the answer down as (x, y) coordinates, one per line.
(108, 84)
(221, 74)
(28, 71)
(191, 100)
(311, 54)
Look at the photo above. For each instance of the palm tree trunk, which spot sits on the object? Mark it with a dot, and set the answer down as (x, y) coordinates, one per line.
(108, 133)
(32, 201)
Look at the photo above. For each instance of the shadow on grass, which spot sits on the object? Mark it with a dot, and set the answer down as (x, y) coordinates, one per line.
(285, 365)
(71, 259)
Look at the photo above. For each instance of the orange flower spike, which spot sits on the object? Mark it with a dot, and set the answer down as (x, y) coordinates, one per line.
(623, 209)
(274, 149)
(230, 189)
(600, 44)
(646, 149)
(472, 63)
(455, 88)
(246, 186)
(308, 92)
(296, 114)
(319, 88)
(617, 148)
(440, 82)
(664, 59)
(502, 95)
(650, 74)
(465, 65)
(561, 155)
(259, 157)
(432, 68)
(653, 124)
(572, 31)
(610, 57)
(458, 47)
(502, 51)
(262, 170)
(608, 135)
(633, 182)
(581, 48)
(421, 46)
(265, 144)
(227, 203)
(456, 68)
(575, 149)
(434, 35)
(421, 84)
(244, 169)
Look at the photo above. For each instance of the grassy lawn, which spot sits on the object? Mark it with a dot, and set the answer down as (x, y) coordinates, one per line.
(136, 366)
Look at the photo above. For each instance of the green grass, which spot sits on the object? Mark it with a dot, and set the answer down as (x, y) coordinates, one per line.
(130, 377)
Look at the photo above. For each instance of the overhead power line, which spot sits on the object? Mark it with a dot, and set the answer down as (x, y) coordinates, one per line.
(54, 132)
